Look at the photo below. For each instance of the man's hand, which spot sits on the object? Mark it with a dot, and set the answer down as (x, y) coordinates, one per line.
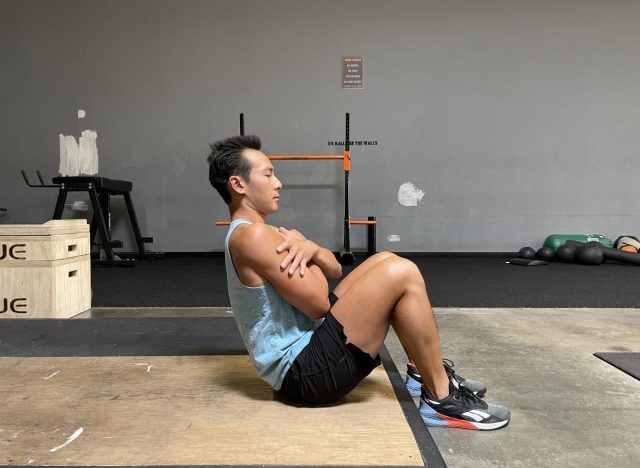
(309, 293)
(301, 251)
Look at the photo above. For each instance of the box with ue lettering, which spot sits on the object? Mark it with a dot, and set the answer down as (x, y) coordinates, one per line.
(45, 269)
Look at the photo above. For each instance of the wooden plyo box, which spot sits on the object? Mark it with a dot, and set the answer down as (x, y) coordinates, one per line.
(45, 270)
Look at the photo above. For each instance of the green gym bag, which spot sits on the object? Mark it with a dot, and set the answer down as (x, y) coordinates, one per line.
(556, 240)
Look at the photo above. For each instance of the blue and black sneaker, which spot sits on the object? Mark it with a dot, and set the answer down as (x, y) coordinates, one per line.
(462, 409)
(414, 380)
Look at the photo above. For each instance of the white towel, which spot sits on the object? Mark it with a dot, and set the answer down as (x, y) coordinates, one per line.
(62, 169)
(68, 156)
(84, 153)
(88, 153)
(94, 153)
(78, 157)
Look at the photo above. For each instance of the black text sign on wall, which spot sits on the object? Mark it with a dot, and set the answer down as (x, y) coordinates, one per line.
(352, 72)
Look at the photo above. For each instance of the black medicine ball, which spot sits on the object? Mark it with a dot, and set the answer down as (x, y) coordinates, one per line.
(589, 255)
(545, 253)
(566, 253)
(527, 253)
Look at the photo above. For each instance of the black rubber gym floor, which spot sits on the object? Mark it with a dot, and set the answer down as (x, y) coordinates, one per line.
(629, 363)
(452, 282)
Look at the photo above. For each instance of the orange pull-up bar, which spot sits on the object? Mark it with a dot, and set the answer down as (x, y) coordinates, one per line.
(305, 158)
(351, 221)
(346, 158)
(362, 222)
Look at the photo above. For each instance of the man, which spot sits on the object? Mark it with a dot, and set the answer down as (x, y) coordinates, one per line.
(312, 346)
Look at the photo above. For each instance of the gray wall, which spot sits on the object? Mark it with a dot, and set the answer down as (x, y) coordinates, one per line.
(516, 118)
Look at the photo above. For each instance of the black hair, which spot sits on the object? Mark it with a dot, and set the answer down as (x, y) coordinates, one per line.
(227, 159)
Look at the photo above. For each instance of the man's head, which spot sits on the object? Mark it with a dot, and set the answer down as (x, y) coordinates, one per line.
(239, 170)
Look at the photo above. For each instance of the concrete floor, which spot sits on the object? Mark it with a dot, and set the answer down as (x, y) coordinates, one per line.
(568, 407)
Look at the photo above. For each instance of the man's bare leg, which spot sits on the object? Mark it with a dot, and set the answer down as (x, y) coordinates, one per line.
(359, 271)
(391, 290)
(477, 387)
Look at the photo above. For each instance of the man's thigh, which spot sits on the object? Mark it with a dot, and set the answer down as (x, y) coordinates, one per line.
(365, 308)
(359, 271)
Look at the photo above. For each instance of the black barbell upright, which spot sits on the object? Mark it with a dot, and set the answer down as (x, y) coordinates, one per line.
(346, 256)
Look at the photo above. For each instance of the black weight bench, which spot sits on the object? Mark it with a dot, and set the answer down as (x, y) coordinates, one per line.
(100, 190)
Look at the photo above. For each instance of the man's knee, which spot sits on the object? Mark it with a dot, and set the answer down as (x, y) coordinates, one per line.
(402, 270)
(384, 255)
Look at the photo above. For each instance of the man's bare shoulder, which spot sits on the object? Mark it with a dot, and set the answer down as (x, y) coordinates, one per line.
(249, 238)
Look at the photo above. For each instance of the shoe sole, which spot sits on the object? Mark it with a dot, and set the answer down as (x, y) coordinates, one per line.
(434, 419)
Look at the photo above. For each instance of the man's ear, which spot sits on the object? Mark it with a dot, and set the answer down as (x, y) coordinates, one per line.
(236, 184)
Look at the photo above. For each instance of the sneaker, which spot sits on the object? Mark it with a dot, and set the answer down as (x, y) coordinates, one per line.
(462, 409)
(414, 380)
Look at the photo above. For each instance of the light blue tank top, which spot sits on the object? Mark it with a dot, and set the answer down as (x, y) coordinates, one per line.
(273, 331)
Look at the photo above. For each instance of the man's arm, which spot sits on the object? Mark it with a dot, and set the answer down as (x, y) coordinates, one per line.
(256, 248)
(322, 257)
(328, 263)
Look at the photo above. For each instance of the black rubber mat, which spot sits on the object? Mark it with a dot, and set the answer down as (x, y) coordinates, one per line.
(629, 363)
(490, 282)
(452, 282)
(168, 336)
(172, 282)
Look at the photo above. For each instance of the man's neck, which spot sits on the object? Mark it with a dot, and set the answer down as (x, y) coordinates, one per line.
(247, 214)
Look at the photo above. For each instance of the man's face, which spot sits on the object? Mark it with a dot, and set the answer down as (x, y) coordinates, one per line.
(263, 187)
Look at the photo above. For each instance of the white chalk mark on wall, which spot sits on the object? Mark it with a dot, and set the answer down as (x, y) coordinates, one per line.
(409, 194)
(393, 238)
(71, 438)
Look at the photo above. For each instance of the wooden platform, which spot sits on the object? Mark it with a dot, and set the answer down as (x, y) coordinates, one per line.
(188, 410)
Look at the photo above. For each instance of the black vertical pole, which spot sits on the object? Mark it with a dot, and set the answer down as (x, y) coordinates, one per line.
(242, 124)
(371, 237)
(62, 197)
(347, 241)
(346, 256)
(133, 219)
(99, 217)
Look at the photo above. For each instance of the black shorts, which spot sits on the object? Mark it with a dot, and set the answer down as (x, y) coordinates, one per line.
(327, 368)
